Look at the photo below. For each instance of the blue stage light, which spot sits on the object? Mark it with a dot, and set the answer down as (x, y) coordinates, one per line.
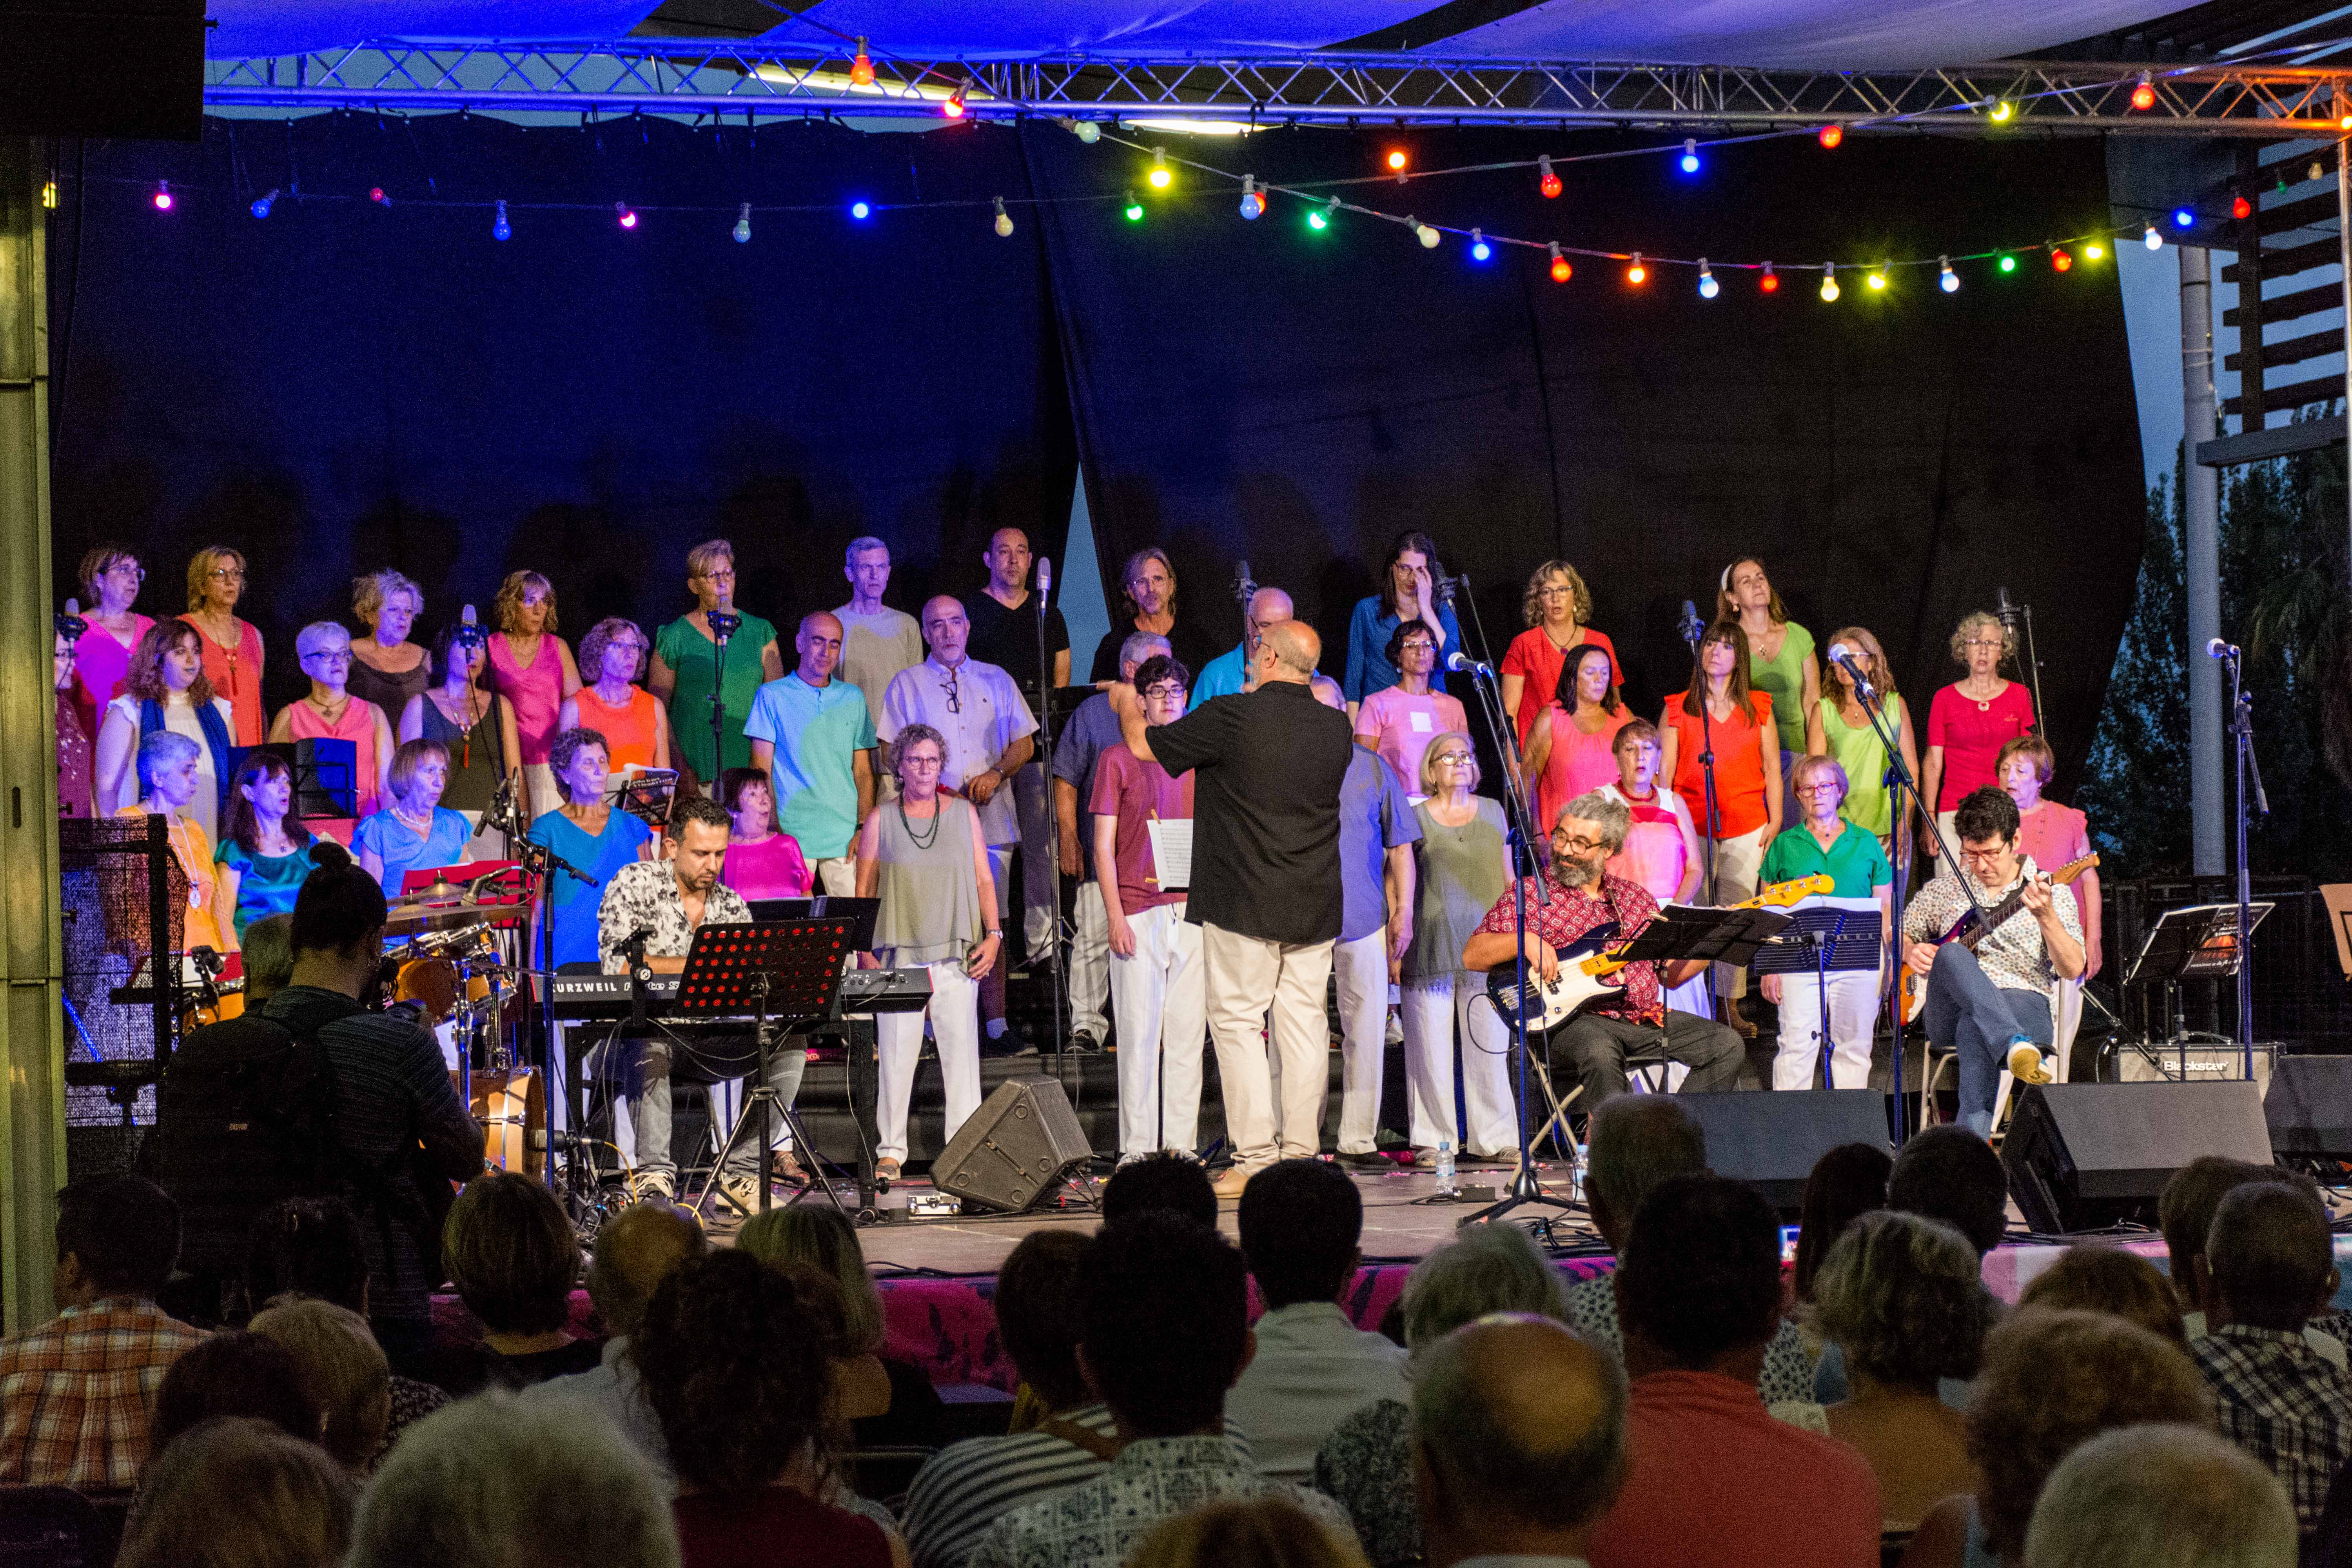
(861, 210)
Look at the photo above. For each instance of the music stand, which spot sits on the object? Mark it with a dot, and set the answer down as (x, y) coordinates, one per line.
(645, 795)
(324, 773)
(1823, 938)
(789, 970)
(862, 914)
(1719, 936)
(2199, 943)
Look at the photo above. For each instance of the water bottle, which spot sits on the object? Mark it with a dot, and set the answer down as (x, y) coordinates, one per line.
(1445, 1167)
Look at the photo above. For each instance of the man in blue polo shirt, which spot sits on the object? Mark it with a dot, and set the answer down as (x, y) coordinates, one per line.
(1229, 671)
(815, 736)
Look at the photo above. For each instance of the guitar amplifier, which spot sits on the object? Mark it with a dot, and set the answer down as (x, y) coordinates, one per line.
(2152, 1061)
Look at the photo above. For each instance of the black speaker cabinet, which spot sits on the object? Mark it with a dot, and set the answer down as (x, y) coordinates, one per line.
(1014, 1149)
(2309, 1107)
(1773, 1139)
(2086, 1155)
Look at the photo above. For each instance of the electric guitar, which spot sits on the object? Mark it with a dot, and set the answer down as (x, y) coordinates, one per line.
(1969, 931)
(1587, 965)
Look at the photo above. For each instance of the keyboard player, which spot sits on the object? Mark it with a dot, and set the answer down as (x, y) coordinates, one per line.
(666, 901)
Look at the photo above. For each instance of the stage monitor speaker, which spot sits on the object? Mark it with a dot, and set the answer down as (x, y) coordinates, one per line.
(2309, 1107)
(1773, 1139)
(103, 67)
(2085, 1156)
(1015, 1148)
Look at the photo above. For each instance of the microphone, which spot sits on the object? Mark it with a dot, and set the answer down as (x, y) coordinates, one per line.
(1690, 625)
(2221, 649)
(1842, 655)
(1447, 587)
(70, 624)
(1045, 582)
(469, 630)
(2003, 608)
(724, 621)
(1463, 664)
(1245, 586)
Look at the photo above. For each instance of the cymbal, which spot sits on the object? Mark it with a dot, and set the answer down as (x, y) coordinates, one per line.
(412, 918)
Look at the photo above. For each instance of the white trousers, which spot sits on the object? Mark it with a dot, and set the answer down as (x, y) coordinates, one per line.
(1247, 977)
(1160, 996)
(2067, 1017)
(1737, 862)
(837, 878)
(954, 1013)
(1363, 968)
(1854, 1019)
(540, 790)
(1090, 960)
(1437, 1014)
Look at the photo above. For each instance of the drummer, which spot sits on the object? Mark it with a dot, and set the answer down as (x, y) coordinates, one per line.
(414, 831)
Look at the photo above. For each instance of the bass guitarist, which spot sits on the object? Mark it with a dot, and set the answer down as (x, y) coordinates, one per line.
(1574, 895)
(1992, 1004)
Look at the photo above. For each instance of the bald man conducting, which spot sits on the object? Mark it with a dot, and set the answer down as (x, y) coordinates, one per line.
(813, 736)
(1519, 1443)
(1230, 671)
(1265, 891)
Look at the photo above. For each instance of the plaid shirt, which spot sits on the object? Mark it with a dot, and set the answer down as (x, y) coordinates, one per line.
(2280, 1401)
(1561, 915)
(76, 1393)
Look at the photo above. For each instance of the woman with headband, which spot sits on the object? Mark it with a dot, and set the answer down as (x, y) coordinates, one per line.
(1781, 662)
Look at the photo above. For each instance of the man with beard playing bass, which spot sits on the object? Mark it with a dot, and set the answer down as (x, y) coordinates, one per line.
(1572, 897)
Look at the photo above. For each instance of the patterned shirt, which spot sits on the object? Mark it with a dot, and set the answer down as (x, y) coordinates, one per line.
(1787, 1367)
(1098, 1523)
(2280, 1402)
(2014, 956)
(1561, 915)
(76, 1394)
(644, 894)
(1367, 1464)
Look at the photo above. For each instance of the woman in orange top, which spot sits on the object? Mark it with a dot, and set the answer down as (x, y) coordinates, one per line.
(232, 647)
(167, 783)
(630, 718)
(331, 713)
(1747, 816)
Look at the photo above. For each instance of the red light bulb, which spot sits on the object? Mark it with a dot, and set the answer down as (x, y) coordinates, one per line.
(1561, 270)
(1549, 182)
(1830, 135)
(861, 69)
(2060, 261)
(1770, 283)
(2241, 208)
(2143, 96)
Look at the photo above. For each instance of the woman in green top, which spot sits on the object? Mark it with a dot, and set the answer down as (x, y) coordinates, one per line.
(1779, 659)
(1825, 843)
(1837, 727)
(686, 665)
(264, 851)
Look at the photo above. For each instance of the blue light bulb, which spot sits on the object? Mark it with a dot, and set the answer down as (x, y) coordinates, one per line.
(499, 227)
(860, 210)
(2184, 217)
(1690, 156)
(1479, 249)
(261, 205)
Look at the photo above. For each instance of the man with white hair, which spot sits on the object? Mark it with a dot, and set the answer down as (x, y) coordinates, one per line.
(1230, 671)
(2160, 1496)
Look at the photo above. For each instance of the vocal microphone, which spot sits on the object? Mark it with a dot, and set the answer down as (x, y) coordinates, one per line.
(724, 621)
(70, 624)
(1045, 582)
(1445, 587)
(1690, 625)
(2221, 649)
(2003, 608)
(1244, 586)
(1842, 655)
(469, 630)
(1463, 664)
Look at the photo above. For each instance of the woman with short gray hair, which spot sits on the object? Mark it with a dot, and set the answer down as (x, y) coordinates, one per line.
(332, 712)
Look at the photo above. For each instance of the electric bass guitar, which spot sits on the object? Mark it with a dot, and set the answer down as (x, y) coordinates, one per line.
(1588, 964)
(1968, 930)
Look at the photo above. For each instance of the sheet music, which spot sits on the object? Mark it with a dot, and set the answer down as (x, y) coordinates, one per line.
(1171, 853)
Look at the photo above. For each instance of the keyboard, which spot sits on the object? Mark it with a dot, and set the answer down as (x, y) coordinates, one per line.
(593, 997)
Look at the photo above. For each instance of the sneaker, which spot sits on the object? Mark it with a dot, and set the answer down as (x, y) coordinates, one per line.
(1393, 1034)
(1369, 1159)
(1084, 1042)
(1008, 1044)
(652, 1185)
(741, 1193)
(2027, 1065)
(886, 1171)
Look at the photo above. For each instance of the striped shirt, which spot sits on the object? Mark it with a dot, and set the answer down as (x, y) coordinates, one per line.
(76, 1394)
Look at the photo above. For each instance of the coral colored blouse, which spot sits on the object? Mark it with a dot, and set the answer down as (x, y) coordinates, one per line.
(236, 675)
(1739, 767)
(358, 726)
(1533, 655)
(628, 730)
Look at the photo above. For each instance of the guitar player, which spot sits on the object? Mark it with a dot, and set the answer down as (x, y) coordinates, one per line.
(1574, 895)
(1992, 1005)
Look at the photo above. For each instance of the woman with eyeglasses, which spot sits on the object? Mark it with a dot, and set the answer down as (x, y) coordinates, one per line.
(1838, 727)
(593, 837)
(1720, 709)
(1460, 869)
(532, 668)
(475, 726)
(1573, 746)
(1971, 719)
(1825, 843)
(232, 647)
(413, 832)
(165, 688)
(1399, 722)
(387, 670)
(613, 704)
(686, 665)
(1408, 594)
(264, 856)
(109, 578)
(1662, 854)
(331, 713)
(1556, 607)
(763, 862)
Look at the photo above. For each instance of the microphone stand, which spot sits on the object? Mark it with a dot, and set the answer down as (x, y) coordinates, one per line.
(2030, 659)
(1691, 633)
(540, 863)
(1053, 820)
(1514, 760)
(2250, 772)
(724, 624)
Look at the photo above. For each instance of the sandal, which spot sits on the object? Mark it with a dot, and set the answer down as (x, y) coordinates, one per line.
(789, 1169)
(886, 1171)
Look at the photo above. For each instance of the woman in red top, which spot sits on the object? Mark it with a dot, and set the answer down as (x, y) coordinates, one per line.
(1972, 719)
(1556, 607)
(1746, 814)
(631, 718)
(1573, 747)
(232, 647)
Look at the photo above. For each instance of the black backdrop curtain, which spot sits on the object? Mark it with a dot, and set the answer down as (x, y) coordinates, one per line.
(343, 386)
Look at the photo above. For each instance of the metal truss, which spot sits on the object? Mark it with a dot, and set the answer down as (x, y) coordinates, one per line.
(696, 79)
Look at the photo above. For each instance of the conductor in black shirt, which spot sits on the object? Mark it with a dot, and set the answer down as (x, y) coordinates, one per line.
(1004, 619)
(1267, 765)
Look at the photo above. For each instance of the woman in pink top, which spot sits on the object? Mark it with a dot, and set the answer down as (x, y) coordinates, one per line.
(2054, 835)
(232, 648)
(1556, 607)
(532, 668)
(761, 863)
(1972, 719)
(109, 579)
(1573, 746)
(1401, 720)
(331, 713)
(1662, 854)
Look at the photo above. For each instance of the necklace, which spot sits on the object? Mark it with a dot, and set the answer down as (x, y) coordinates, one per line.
(423, 829)
(904, 822)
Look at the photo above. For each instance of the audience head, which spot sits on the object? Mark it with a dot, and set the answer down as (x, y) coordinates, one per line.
(1039, 1313)
(2185, 1212)
(2161, 1496)
(512, 1254)
(637, 1249)
(821, 1238)
(2270, 1261)
(1949, 1173)
(1519, 1439)
(1905, 1297)
(1848, 1181)
(1163, 1180)
(2094, 1279)
(311, 1247)
(268, 947)
(1167, 1323)
(736, 1367)
(344, 1370)
(2053, 1380)
(1300, 1221)
(241, 1374)
(239, 1494)
(340, 912)
(1270, 1531)
(1699, 1280)
(492, 1482)
(117, 1235)
(1486, 1268)
(1635, 1142)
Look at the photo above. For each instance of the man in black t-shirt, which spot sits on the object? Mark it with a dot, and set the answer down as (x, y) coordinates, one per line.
(1004, 619)
(1266, 892)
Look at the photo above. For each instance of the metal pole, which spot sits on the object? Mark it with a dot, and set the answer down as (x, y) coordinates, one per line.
(2202, 558)
(2343, 265)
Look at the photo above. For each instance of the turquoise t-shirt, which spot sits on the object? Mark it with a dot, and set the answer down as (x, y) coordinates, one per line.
(1856, 865)
(266, 884)
(1220, 677)
(577, 903)
(816, 730)
(396, 843)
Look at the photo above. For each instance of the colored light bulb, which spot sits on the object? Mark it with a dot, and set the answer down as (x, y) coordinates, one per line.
(1947, 279)
(2241, 208)
(2008, 264)
(2003, 112)
(2060, 261)
(861, 209)
(1545, 181)
(2095, 251)
(2184, 217)
(1830, 135)
(1638, 273)
(1876, 280)
(263, 204)
(743, 223)
(2149, 238)
(1690, 155)
(2144, 95)
(861, 68)
(1707, 287)
(628, 218)
(1770, 283)
(1829, 282)
(1397, 161)
(1003, 219)
(162, 195)
(1134, 209)
(1479, 249)
(1252, 204)
(499, 227)
(1561, 270)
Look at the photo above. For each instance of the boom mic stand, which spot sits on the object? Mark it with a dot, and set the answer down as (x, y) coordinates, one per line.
(540, 864)
(2250, 772)
(2029, 659)
(1052, 818)
(724, 624)
(1693, 629)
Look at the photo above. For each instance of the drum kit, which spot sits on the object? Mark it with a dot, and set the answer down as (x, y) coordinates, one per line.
(447, 945)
